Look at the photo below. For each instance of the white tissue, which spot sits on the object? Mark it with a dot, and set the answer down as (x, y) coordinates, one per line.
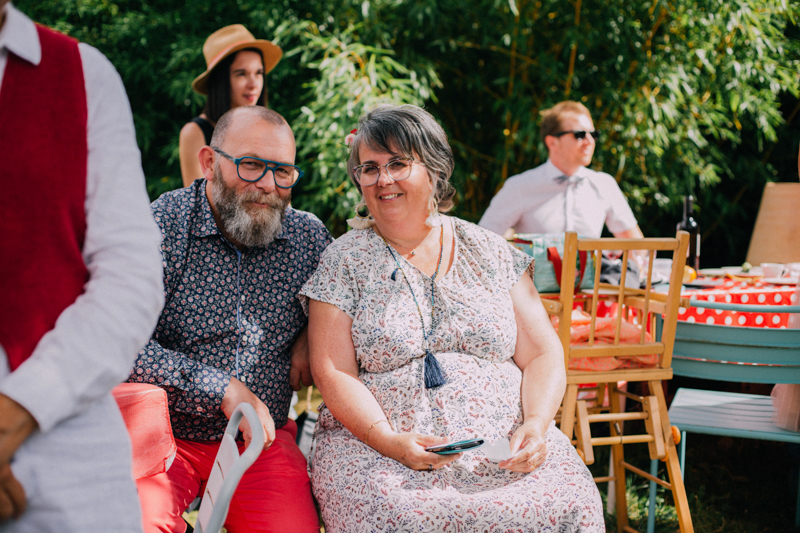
(497, 451)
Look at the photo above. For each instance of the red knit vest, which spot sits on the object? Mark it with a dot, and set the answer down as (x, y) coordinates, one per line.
(43, 155)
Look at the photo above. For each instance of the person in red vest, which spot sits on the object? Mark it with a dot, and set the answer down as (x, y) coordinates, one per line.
(80, 279)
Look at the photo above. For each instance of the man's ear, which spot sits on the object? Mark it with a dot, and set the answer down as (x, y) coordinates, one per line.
(207, 156)
(550, 141)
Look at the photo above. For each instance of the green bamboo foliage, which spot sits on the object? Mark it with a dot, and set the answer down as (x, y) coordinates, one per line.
(351, 78)
(692, 96)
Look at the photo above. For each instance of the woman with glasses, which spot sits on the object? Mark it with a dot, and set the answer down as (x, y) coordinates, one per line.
(425, 329)
(236, 65)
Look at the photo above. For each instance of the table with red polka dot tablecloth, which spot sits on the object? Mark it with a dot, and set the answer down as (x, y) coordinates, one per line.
(741, 293)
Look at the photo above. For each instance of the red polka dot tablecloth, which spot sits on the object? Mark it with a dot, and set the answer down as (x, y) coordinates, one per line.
(741, 293)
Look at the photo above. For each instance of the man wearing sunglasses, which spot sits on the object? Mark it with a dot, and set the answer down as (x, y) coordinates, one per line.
(563, 194)
(235, 255)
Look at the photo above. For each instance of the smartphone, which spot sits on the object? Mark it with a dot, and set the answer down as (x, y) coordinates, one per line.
(455, 447)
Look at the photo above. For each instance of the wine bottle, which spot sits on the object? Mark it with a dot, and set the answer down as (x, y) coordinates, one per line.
(689, 224)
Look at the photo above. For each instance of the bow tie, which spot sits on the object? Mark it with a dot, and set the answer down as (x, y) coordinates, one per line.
(569, 179)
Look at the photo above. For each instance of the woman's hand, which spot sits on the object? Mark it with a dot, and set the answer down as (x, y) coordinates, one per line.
(409, 449)
(529, 439)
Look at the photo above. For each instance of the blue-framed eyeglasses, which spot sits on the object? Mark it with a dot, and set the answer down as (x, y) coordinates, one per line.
(252, 169)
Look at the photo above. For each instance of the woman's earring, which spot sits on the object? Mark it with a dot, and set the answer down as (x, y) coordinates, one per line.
(361, 221)
(433, 220)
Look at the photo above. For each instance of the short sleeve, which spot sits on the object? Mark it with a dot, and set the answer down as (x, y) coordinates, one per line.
(333, 282)
(500, 264)
(619, 217)
(518, 263)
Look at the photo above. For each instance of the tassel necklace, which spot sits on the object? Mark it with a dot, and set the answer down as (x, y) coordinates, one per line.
(434, 375)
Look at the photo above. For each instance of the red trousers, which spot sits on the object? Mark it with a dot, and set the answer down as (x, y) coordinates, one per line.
(273, 495)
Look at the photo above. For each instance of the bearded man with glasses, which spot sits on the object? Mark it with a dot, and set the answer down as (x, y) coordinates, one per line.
(563, 194)
(235, 255)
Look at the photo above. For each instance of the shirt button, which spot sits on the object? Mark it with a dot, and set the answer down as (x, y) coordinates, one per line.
(243, 298)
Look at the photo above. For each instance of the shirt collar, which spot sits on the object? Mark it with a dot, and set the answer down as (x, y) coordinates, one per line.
(206, 224)
(552, 172)
(19, 36)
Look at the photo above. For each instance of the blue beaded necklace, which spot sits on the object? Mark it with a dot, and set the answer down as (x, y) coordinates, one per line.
(434, 375)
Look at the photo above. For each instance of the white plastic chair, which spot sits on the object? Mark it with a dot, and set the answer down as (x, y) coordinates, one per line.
(228, 469)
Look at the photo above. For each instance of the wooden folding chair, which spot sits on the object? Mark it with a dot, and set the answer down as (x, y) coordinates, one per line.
(229, 467)
(634, 306)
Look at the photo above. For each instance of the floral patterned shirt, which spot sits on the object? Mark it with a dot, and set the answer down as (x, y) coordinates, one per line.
(227, 313)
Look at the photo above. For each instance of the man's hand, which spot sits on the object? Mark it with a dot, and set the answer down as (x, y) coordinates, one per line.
(16, 423)
(12, 495)
(237, 393)
(300, 371)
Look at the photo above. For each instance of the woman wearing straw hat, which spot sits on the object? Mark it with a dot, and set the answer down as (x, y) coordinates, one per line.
(236, 64)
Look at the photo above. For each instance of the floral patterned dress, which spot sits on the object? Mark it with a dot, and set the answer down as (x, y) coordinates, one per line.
(360, 490)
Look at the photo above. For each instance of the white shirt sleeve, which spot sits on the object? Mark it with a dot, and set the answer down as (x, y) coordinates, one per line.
(504, 211)
(619, 216)
(96, 340)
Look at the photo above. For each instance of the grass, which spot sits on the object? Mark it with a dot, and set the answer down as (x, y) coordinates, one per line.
(303, 400)
(733, 485)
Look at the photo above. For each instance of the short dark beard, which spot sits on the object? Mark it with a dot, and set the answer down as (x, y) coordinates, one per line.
(245, 228)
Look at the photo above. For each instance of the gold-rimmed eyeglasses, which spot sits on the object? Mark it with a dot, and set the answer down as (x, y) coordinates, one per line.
(397, 169)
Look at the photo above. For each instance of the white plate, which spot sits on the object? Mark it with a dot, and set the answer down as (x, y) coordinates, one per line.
(713, 272)
(703, 283)
(781, 281)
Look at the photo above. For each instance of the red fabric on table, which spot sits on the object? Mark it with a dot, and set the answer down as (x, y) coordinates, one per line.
(741, 293)
(144, 409)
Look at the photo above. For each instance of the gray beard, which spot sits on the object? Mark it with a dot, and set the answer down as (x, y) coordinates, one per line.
(248, 229)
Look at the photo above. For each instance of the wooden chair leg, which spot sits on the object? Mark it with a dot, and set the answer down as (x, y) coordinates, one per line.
(672, 463)
(657, 448)
(568, 410)
(619, 470)
(583, 434)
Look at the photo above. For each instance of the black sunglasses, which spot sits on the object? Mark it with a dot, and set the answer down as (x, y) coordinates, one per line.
(579, 134)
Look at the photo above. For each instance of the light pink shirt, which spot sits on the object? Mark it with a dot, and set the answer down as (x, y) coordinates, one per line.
(536, 201)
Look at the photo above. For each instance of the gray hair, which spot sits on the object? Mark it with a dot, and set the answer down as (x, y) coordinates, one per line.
(267, 115)
(412, 132)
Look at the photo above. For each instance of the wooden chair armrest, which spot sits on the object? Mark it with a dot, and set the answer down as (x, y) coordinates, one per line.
(655, 306)
(553, 307)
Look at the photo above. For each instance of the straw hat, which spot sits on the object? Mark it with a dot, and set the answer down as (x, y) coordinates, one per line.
(227, 41)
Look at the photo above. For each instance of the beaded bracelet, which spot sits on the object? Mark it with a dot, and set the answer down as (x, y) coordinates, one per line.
(366, 436)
